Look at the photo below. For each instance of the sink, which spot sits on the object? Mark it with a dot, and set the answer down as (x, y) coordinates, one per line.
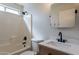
(59, 44)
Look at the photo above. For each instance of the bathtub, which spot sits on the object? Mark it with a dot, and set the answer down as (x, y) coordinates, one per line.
(18, 51)
(12, 49)
(13, 46)
(14, 52)
(4, 53)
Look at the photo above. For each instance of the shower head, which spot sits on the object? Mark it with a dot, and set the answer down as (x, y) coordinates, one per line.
(25, 12)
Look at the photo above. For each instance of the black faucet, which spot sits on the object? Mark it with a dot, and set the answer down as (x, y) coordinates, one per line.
(61, 39)
(60, 34)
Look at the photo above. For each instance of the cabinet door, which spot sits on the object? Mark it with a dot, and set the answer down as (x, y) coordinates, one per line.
(44, 50)
(67, 18)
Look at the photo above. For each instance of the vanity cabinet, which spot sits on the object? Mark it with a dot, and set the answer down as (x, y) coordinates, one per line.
(62, 18)
(44, 50)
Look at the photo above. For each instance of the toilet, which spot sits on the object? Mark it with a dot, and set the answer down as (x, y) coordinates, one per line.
(35, 42)
(35, 48)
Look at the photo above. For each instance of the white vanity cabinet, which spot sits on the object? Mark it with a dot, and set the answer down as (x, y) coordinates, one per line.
(63, 18)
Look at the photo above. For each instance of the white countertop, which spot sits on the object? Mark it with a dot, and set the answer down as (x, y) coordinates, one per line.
(69, 48)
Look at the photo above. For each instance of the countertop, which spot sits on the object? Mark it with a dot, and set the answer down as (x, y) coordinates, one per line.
(70, 48)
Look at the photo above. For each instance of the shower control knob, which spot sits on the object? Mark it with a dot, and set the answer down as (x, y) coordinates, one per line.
(25, 38)
(24, 43)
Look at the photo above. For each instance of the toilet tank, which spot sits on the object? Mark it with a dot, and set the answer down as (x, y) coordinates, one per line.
(35, 42)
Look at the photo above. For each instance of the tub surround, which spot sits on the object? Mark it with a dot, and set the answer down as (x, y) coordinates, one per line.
(12, 32)
(19, 51)
(68, 47)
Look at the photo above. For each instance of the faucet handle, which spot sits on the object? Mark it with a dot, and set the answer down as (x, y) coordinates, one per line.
(64, 40)
(24, 43)
(58, 39)
(25, 38)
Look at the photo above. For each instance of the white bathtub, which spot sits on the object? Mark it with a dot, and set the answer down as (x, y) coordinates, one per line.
(18, 51)
(4, 53)
(13, 53)
(9, 49)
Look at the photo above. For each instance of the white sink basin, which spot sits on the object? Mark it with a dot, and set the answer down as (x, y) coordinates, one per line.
(59, 44)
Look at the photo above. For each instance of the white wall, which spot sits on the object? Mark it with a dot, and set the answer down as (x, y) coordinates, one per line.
(41, 22)
(40, 19)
